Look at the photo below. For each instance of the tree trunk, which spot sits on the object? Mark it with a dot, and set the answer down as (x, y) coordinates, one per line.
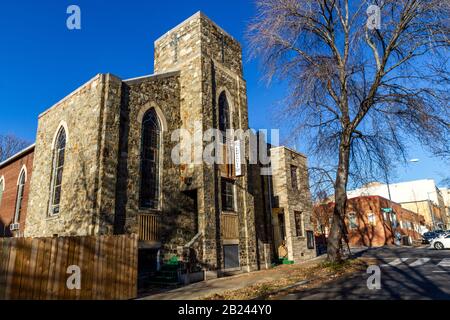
(337, 228)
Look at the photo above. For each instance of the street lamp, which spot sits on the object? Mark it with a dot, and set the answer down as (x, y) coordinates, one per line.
(390, 210)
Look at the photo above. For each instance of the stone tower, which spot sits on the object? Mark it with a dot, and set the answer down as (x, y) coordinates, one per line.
(210, 64)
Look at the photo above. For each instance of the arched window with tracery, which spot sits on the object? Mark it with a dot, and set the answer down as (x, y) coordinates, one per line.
(150, 158)
(57, 171)
(19, 197)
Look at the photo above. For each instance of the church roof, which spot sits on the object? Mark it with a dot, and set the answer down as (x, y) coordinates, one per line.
(18, 155)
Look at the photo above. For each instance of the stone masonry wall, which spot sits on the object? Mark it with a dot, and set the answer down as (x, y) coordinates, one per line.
(89, 149)
(178, 216)
(293, 200)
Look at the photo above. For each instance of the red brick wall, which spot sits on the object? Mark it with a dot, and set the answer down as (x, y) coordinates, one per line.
(10, 173)
(367, 234)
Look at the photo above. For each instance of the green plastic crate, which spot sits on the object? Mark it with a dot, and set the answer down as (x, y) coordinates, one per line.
(286, 261)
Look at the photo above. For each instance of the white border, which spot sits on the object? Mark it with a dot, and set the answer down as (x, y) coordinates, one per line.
(62, 124)
(24, 170)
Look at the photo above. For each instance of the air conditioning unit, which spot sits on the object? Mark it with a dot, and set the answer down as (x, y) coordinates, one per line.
(14, 226)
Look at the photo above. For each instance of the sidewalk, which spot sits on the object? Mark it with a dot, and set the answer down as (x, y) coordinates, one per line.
(204, 289)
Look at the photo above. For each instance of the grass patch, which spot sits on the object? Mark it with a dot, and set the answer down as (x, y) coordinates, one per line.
(337, 266)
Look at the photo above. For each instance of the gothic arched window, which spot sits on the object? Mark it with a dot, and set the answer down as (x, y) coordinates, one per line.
(19, 198)
(57, 171)
(150, 154)
(224, 113)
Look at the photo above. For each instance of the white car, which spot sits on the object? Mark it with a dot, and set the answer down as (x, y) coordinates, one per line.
(442, 242)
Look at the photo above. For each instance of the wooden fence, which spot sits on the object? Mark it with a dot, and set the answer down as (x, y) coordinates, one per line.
(37, 269)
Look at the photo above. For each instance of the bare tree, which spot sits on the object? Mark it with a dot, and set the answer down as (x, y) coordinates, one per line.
(10, 145)
(358, 94)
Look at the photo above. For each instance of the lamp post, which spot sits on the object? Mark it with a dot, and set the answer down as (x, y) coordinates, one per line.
(390, 210)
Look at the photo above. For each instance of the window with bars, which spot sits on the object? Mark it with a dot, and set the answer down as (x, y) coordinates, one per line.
(57, 172)
(299, 224)
(150, 157)
(227, 195)
(19, 198)
(294, 177)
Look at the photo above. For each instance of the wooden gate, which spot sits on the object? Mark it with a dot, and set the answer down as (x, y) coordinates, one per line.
(39, 268)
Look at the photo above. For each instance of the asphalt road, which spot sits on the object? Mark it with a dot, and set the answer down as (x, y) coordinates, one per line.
(406, 273)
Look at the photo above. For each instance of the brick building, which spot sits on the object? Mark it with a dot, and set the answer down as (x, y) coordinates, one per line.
(15, 177)
(371, 221)
(104, 163)
(420, 196)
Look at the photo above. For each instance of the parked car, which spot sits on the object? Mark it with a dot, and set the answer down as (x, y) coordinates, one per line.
(442, 242)
(428, 237)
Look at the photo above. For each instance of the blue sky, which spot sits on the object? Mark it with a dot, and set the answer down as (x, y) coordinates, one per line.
(41, 61)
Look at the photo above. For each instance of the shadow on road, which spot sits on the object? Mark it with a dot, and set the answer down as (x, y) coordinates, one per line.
(403, 282)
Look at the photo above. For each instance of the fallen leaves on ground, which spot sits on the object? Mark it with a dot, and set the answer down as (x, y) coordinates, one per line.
(319, 273)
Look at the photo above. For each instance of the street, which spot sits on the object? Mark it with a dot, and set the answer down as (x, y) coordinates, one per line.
(406, 273)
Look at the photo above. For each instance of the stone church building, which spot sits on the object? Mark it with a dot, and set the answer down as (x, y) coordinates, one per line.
(103, 164)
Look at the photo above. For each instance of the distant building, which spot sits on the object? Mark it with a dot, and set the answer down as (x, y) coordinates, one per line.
(372, 221)
(446, 195)
(421, 196)
(15, 177)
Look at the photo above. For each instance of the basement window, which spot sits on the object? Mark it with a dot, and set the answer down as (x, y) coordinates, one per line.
(231, 257)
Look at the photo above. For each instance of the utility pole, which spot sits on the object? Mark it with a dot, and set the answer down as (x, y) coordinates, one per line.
(430, 207)
(391, 210)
